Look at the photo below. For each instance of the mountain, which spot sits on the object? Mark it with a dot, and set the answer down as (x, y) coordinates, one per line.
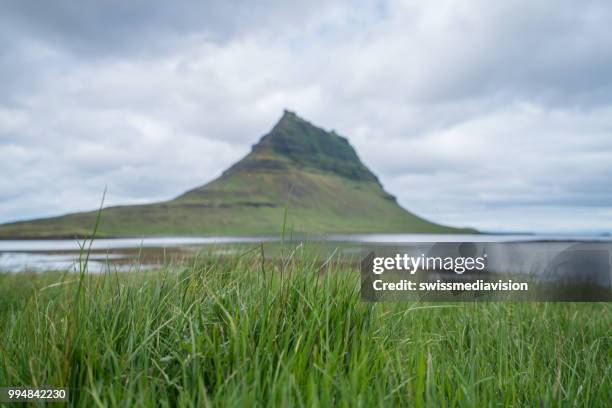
(316, 175)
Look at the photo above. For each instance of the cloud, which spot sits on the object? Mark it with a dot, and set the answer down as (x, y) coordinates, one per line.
(481, 173)
(494, 115)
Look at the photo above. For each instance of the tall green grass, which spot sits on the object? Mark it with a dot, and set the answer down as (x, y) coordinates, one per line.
(235, 331)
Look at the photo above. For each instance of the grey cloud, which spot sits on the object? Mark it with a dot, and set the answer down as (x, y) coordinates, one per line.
(496, 114)
(552, 52)
(140, 26)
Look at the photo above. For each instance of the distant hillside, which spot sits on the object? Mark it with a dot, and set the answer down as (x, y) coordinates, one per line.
(316, 174)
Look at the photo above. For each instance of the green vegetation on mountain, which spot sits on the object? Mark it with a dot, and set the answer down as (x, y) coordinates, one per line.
(314, 175)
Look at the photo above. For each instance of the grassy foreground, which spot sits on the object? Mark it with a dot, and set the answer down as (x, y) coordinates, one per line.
(234, 332)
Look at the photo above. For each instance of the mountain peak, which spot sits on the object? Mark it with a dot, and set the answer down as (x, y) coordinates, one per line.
(291, 120)
(294, 141)
(334, 191)
(290, 115)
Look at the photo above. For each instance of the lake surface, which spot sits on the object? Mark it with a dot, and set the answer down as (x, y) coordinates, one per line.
(123, 253)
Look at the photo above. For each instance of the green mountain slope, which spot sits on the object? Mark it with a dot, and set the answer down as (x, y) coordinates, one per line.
(315, 174)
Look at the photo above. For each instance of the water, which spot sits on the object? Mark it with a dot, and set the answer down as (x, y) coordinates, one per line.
(399, 238)
(48, 245)
(123, 253)
(40, 262)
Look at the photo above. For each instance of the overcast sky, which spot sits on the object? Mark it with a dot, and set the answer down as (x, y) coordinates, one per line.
(491, 114)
